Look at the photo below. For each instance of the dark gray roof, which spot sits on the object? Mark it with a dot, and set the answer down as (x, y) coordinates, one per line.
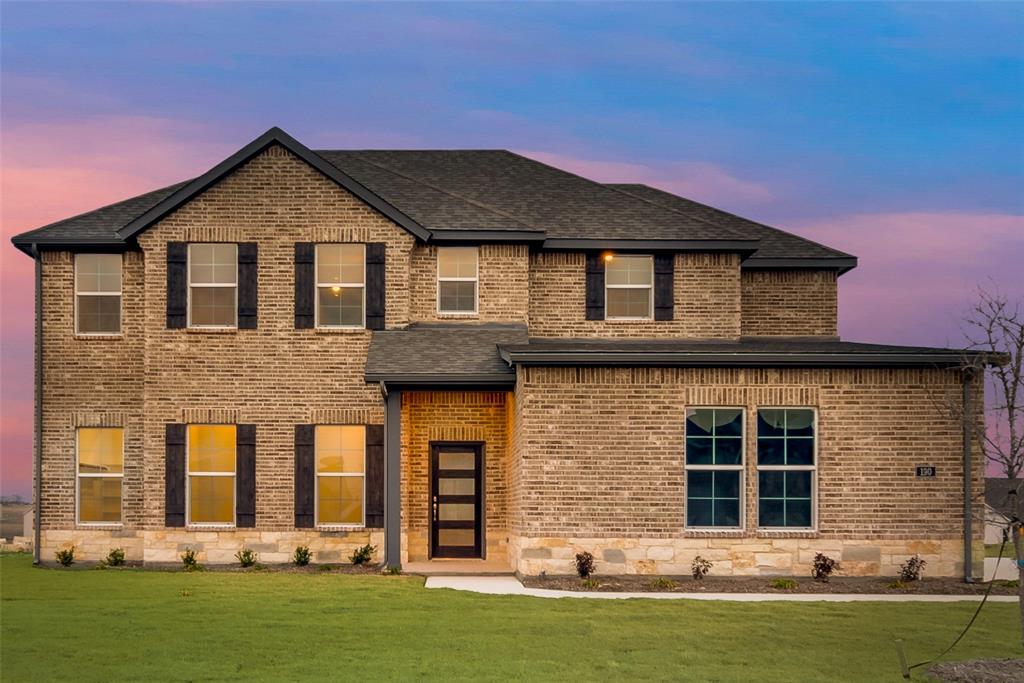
(457, 352)
(746, 352)
(997, 490)
(775, 243)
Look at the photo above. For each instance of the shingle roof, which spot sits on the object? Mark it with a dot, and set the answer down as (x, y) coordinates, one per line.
(456, 351)
(997, 493)
(759, 351)
(775, 243)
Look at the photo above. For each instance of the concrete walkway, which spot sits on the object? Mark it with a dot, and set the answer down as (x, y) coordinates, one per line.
(509, 585)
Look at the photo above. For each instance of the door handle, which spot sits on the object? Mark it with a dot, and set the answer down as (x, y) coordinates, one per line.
(435, 508)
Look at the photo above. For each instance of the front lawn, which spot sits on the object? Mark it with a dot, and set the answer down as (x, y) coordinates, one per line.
(84, 625)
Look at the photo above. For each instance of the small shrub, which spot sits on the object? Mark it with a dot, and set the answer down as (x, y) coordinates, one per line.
(115, 558)
(897, 585)
(189, 561)
(302, 556)
(823, 567)
(393, 570)
(784, 584)
(911, 569)
(363, 555)
(66, 556)
(591, 584)
(662, 584)
(700, 567)
(246, 557)
(325, 568)
(584, 564)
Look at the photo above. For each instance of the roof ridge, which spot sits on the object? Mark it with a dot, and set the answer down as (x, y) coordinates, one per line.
(444, 191)
(729, 213)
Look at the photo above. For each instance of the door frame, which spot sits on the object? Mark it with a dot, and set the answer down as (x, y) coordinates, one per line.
(481, 518)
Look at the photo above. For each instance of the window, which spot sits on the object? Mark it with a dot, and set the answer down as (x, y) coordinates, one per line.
(714, 467)
(211, 474)
(212, 285)
(340, 473)
(785, 467)
(100, 471)
(340, 285)
(456, 279)
(629, 287)
(98, 293)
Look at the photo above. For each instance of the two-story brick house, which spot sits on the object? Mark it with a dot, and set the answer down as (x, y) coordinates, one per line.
(472, 354)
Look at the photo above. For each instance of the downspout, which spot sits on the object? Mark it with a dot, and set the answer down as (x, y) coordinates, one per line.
(37, 479)
(968, 428)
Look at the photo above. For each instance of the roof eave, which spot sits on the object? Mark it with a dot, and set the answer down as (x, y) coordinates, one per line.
(427, 380)
(450, 236)
(744, 247)
(69, 244)
(841, 265)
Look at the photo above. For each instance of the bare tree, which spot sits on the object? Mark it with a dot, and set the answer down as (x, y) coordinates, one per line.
(995, 332)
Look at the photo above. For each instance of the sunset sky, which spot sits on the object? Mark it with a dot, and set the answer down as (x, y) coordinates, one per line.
(891, 131)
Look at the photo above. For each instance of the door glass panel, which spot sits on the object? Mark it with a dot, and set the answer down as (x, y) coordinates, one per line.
(451, 460)
(456, 487)
(463, 512)
(460, 537)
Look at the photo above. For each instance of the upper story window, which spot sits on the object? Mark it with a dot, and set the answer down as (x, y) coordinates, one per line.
(212, 285)
(629, 287)
(211, 474)
(785, 467)
(340, 474)
(98, 293)
(340, 285)
(100, 472)
(714, 467)
(457, 277)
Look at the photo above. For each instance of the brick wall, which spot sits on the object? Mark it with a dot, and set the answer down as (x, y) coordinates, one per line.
(503, 293)
(454, 416)
(793, 303)
(707, 299)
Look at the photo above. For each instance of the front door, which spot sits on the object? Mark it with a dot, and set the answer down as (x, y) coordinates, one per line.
(455, 497)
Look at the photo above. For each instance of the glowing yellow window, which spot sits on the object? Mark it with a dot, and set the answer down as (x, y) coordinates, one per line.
(211, 474)
(340, 471)
(100, 471)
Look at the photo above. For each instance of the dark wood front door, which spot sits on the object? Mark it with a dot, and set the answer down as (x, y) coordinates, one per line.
(455, 499)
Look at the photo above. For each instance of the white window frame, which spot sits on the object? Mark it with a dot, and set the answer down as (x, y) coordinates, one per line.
(741, 468)
(813, 469)
(475, 280)
(78, 481)
(316, 481)
(188, 268)
(343, 285)
(118, 294)
(189, 474)
(650, 288)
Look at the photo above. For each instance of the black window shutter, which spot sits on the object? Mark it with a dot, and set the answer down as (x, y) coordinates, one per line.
(248, 265)
(664, 282)
(174, 475)
(305, 475)
(177, 285)
(375, 286)
(375, 476)
(304, 285)
(245, 476)
(595, 287)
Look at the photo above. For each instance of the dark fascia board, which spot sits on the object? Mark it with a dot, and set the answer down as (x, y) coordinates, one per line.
(842, 265)
(271, 137)
(718, 360)
(478, 236)
(745, 247)
(425, 380)
(71, 244)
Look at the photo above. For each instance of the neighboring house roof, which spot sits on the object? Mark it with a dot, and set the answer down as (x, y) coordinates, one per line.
(746, 352)
(469, 195)
(775, 244)
(449, 353)
(997, 491)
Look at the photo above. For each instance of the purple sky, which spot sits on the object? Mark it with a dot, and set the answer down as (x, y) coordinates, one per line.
(891, 131)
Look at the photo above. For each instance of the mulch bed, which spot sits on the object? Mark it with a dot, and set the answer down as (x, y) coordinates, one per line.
(761, 584)
(326, 568)
(980, 671)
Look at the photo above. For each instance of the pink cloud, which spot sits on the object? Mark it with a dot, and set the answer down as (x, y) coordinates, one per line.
(696, 180)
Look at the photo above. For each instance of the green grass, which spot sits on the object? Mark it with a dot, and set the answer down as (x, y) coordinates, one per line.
(82, 625)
